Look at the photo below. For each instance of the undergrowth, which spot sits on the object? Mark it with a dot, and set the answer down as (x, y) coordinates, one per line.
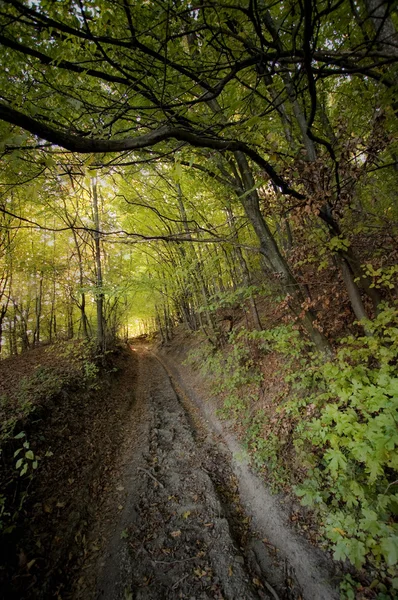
(339, 419)
(68, 365)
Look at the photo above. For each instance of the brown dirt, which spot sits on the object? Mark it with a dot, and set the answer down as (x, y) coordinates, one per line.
(147, 496)
(315, 573)
(76, 435)
(175, 525)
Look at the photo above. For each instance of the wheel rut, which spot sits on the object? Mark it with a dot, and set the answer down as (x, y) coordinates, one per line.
(177, 528)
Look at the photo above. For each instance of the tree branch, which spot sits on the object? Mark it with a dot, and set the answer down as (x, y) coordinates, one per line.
(88, 145)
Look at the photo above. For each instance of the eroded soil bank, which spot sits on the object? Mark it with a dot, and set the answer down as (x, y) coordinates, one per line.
(184, 517)
(75, 431)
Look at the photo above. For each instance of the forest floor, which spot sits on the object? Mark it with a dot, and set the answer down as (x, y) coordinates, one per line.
(149, 495)
(187, 518)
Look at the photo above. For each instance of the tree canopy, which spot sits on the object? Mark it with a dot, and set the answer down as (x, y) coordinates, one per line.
(285, 111)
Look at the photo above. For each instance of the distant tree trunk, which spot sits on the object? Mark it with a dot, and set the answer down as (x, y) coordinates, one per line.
(38, 309)
(23, 326)
(245, 273)
(82, 303)
(12, 334)
(4, 305)
(99, 297)
(3, 312)
(52, 322)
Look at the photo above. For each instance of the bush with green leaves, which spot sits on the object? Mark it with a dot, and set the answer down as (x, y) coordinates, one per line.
(233, 372)
(351, 446)
(344, 415)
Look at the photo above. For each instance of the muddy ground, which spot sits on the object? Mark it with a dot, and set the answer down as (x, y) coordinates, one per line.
(183, 516)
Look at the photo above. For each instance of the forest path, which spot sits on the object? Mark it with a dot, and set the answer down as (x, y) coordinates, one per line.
(175, 525)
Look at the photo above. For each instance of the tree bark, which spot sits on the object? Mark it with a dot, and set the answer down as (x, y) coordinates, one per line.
(99, 295)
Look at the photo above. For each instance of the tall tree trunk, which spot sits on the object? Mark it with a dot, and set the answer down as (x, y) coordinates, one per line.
(245, 273)
(345, 263)
(279, 266)
(99, 296)
(379, 12)
(82, 303)
(39, 299)
(353, 291)
(269, 247)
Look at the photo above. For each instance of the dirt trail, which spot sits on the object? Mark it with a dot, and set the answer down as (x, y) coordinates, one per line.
(175, 526)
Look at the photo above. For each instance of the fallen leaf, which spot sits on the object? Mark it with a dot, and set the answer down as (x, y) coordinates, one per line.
(22, 559)
(200, 572)
(186, 514)
(175, 534)
(30, 564)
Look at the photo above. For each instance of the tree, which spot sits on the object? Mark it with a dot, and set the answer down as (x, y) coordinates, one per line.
(257, 97)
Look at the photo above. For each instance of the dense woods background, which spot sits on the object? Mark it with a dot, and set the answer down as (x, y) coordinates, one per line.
(232, 168)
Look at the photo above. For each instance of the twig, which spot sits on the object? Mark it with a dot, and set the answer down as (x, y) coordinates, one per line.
(177, 583)
(173, 562)
(271, 590)
(388, 487)
(151, 476)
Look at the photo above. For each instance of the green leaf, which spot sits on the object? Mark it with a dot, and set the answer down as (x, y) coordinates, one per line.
(357, 552)
(29, 454)
(389, 547)
(340, 550)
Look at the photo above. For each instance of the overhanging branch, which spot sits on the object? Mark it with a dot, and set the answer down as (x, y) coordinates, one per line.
(88, 145)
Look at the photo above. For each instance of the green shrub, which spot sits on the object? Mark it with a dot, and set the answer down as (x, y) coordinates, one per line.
(351, 446)
(344, 417)
(232, 372)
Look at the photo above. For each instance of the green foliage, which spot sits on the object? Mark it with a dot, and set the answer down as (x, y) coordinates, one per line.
(25, 464)
(344, 416)
(283, 339)
(383, 276)
(27, 461)
(237, 377)
(12, 414)
(232, 298)
(338, 243)
(233, 373)
(353, 445)
(82, 357)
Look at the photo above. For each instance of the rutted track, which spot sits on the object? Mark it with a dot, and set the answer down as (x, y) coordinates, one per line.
(175, 526)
